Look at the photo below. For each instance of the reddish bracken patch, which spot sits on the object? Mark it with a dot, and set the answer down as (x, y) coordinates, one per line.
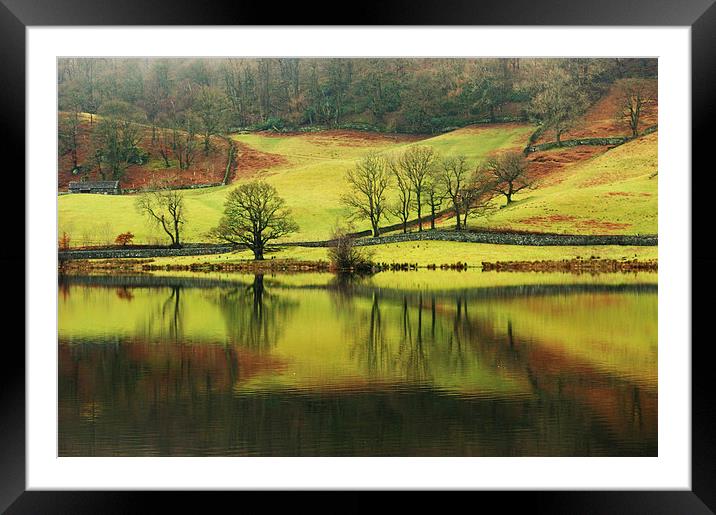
(206, 169)
(543, 165)
(602, 119)
(627, 194)
(251, 161)
(577, 223)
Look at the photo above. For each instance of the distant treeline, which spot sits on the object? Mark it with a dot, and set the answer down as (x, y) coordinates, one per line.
(396, 94)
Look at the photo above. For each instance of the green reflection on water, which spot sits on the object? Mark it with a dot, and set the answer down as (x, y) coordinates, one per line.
(445, 365)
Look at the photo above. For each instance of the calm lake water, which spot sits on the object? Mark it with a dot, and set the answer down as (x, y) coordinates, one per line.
(428, 363)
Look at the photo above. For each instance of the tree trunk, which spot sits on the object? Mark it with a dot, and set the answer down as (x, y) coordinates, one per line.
(177, 243)
(432, 217)
(258, 248)
(420, 218)
(457, 215)
(559, 138)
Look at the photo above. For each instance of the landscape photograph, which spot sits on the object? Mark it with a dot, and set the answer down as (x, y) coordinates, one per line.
(294, 256)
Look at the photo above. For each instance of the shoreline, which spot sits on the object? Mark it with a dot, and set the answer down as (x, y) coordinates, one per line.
(116, 266)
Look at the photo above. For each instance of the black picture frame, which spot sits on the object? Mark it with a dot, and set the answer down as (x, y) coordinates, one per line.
(16, 15)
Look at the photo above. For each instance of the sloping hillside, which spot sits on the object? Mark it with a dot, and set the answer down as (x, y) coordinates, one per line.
(206, 168)
(587, 189)
(611, 193)
(602, 119)
(308, 170)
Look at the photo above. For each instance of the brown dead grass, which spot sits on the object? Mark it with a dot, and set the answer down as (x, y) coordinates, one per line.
(544, 166)
(579, 223)
(601, 119)
(206, 169)
(349, 138)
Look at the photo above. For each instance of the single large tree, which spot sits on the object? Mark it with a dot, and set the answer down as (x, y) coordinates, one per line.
(417, 163)
(254, 215)
(164, 208)
(635, 95)
(509, 174)
(454, 174)
(368, 183)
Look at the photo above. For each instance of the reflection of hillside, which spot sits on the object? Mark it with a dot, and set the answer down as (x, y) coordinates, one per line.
(448, 342)
(255, 368)
(144, 384)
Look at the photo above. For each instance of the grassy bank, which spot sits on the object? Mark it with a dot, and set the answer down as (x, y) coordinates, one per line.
(426, 253)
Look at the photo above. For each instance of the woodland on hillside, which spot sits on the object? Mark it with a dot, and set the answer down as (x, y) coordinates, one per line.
(214, 96)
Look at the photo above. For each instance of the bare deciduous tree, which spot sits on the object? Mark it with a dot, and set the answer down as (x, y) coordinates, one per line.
(69, 131)
(116, 145)
(454, 173)
(184, 144)
(434, 193)
(635, 95)
(416, 162)
(509, 173)
(254, 215)
(402, 207)
(211, 107)
(164, 208)
(475, 197)
(368, 182)
(559, 103)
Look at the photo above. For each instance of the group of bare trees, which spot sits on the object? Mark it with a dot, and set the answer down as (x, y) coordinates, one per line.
(402, 185)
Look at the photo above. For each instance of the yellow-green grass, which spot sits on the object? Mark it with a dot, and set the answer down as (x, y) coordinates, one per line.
(435, 252)
(312, 182)
(321, 345)
(613, 193)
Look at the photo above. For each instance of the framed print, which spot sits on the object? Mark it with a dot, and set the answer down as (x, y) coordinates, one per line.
(418, 257)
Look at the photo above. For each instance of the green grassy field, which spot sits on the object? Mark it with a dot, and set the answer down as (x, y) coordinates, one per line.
(311, 181)
(613, 193)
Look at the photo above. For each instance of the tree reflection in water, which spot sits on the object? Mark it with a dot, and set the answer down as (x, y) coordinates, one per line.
(254, 317)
